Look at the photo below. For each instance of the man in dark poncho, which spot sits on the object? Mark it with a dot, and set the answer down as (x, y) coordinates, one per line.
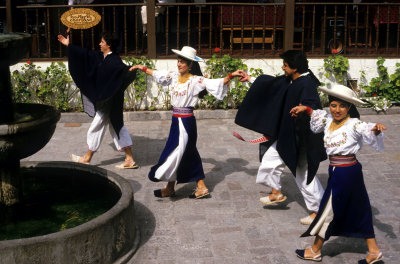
(265, 109)
(102, 78)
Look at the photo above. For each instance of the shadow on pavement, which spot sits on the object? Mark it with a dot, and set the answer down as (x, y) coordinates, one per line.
(388, 229)
(145, 221)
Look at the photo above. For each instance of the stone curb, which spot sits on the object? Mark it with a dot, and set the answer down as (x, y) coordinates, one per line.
(200, 114)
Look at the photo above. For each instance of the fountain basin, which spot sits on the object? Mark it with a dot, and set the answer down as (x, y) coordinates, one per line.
(31, 131)
(13, 47)
(108, 238)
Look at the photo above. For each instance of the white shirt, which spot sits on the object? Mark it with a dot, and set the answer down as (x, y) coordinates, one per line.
(187, 94)
(347, 139)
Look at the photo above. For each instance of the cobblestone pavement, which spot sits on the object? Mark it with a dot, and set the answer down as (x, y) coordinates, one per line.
(233, 226)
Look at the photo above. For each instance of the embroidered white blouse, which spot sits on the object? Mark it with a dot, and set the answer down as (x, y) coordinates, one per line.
(187, 94)
(347, 139)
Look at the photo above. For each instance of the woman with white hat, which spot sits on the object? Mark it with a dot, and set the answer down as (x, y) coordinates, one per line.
(345, 208)
(180, 161)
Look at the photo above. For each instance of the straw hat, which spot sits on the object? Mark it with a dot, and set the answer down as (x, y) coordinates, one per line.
(342, 92)
(188, 53)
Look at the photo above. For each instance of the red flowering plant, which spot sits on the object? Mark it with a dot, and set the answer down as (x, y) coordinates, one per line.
(216, 50)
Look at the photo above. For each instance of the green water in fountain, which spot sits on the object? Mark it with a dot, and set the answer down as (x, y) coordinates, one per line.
(53, 202)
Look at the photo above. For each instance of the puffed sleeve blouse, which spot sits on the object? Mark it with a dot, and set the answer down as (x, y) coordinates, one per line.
(347, 139)
(187, 94)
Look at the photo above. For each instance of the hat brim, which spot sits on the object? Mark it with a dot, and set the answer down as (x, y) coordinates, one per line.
(178, 52)
(352, 100)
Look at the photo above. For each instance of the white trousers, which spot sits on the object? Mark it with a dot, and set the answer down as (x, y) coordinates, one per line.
(97, 129)
(271, 169)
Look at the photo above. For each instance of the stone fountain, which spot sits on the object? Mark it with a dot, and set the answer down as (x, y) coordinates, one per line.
(24, 130)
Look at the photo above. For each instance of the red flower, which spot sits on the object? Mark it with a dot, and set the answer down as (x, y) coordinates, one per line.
(29, 62)
(217, 50)
(374, 95)
(334, 51)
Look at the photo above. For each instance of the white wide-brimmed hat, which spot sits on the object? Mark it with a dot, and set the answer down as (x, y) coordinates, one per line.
(188, 53)
(342, 92)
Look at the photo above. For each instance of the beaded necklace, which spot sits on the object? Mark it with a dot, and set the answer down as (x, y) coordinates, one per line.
(184, 78)
(337, 124)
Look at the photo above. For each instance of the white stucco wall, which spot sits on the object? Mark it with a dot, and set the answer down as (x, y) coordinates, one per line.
(269, 66)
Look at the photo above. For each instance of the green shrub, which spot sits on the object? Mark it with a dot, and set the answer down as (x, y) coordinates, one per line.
(52, 86)
(56, 88)
(26, 83)
(336, 65)
(136, 93)
(219, 67)
(384, 86)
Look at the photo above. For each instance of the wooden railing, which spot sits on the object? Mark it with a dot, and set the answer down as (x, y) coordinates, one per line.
(362, 29)
(239, 29)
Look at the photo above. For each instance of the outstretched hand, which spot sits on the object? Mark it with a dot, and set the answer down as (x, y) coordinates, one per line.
(244, 77)
(297, 110)
(140, 67)
(64, 40)
(378, 128)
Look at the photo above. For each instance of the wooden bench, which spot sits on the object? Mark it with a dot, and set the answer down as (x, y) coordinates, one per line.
(254, 24)
(267, 39)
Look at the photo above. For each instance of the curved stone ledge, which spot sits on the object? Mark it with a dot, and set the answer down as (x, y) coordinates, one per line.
(200, 114)
(108, 238)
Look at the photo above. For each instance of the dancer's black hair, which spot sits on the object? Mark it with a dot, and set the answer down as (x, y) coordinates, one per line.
(111, 39)
(353, 112)
(194, 68)
(296, 59)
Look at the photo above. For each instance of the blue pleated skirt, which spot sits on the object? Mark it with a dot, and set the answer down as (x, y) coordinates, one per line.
(352, 215)
(189, 166)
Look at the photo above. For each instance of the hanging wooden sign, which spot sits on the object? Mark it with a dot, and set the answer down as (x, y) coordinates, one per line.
(80, 18)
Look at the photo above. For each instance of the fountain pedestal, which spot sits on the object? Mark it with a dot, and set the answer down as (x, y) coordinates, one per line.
(12, 48)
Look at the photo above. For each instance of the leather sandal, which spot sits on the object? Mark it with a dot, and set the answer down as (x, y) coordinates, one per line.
(158, 193)
(378, 257)
(199, 196)
(300, 254)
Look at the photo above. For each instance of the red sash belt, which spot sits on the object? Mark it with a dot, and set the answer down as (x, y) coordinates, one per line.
(342, 161)
(182, 111)
(257, 140)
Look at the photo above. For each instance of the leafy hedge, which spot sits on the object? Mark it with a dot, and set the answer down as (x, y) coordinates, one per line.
(54, 86)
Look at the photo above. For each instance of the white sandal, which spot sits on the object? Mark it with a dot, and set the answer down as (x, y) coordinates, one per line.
(131, 165)
(306, 220)
(75, 158)
(267, 200)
